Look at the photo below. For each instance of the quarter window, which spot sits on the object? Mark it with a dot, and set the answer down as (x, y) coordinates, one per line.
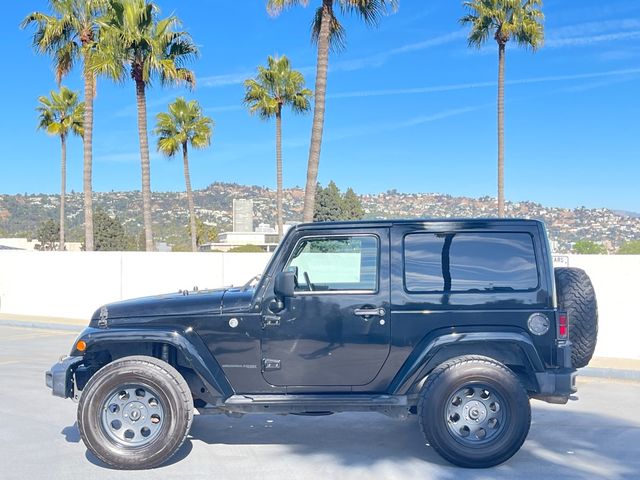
(469, 262)
(327, 264)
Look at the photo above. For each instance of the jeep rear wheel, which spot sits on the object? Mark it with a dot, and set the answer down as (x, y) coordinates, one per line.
(474, 412)
(577, 297)
(135, 412)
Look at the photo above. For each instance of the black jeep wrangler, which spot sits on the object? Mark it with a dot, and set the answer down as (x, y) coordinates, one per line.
(458, 322)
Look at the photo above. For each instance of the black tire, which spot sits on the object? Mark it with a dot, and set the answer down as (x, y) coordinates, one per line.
(172, 394)
(576, 296)
(440, 428)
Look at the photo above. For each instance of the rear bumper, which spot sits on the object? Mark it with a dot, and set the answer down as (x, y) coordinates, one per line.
(60, 377)
(556, 386)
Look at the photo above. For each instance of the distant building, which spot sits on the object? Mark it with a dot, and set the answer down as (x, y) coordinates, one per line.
(242, 215)
(265, 228)
(229, 240)
(26, 244)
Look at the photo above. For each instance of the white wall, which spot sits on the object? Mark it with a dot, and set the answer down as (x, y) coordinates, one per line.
(616, 280)
(73, 285)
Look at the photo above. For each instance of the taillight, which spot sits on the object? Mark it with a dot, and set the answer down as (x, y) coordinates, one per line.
(563, 326)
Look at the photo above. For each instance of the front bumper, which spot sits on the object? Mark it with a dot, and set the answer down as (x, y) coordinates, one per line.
(60, 377)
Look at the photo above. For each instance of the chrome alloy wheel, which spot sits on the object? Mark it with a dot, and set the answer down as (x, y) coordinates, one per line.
(475, 415)
(132, 415)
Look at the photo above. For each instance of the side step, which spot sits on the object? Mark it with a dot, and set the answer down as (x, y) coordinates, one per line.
(313, 403)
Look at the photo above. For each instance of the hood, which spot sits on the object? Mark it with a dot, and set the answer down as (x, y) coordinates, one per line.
(183, 304)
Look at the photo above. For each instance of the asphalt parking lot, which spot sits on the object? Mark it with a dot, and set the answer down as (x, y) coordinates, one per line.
(595, 437)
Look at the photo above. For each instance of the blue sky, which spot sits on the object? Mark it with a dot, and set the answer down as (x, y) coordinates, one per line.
(410, 107)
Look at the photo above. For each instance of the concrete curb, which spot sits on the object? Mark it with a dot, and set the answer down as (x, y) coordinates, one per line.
(605, 367)
(615, 373)
(38, 324)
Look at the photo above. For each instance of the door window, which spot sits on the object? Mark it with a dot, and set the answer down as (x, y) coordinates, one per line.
(335, 264)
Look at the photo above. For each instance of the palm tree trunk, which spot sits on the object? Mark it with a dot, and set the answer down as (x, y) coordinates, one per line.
(63, 187)
(279, 171)
(501, 55)
(144, 161)
(192, 208)
(322, 68)
(87, 139)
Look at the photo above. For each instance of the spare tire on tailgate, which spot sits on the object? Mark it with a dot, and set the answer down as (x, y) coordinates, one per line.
(577, 297)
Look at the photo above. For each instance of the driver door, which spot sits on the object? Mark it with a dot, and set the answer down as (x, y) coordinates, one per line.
(335, 330)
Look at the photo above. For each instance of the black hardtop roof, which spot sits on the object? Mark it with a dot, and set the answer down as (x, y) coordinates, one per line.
(462, 222)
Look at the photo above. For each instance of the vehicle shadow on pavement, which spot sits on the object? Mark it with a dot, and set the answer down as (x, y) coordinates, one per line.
(562, 442)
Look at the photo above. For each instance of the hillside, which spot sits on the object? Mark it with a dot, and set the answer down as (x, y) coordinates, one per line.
(20, 215)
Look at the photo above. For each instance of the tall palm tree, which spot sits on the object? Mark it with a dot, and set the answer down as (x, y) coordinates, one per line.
(277, 86)
(69, 34)
(327, 32)
(61, 114)
(520, 20)
(135, 41)
(182, 126)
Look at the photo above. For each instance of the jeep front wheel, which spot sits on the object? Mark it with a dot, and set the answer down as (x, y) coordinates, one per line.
(135, 412)
(474, 412)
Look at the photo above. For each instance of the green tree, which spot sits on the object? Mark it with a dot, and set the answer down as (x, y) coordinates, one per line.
(331, 205)
(135, 41)
(327, 32)
(67, 35)
(247, 249)
(61, 114)
(47, 234)
(351, 206)
(588, 247)
(277, 86)
(520, 20)
(205, 233)
(182, 126)
(109, 233)
(632, 247)
(328, 204)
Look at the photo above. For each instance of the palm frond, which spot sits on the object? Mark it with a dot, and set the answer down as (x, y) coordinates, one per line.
(337, 33)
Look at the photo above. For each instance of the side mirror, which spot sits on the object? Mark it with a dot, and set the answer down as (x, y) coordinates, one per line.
(284, 284)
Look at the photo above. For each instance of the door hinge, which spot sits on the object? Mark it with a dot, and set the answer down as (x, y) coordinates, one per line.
(270, 364)
(270, 321)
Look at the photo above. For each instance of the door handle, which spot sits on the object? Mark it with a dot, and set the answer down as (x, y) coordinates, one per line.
(369, 312)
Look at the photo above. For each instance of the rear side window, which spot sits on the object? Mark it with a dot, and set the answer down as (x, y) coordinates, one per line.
(469, 262)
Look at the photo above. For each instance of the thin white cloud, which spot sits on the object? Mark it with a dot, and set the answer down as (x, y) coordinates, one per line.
(370, 61)
(124, 157)
(468, 86)
(224, 79)
(590, 39)
(381, 128)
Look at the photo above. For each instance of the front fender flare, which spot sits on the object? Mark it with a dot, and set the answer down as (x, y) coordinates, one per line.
(187, 342)
(419, 364)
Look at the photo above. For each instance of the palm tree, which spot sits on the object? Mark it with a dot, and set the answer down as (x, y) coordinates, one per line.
(135, 41)
(520, 20)
(61, 114)
(70, 34)
(327, 32)
(182, 126)
(275, 87)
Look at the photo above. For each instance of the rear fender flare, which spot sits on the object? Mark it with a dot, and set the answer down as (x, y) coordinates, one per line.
(425, 357)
